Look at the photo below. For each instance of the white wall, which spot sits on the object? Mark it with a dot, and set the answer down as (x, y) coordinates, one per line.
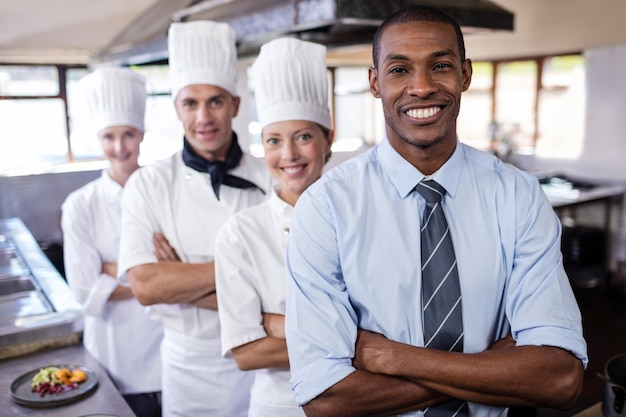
(604, 148)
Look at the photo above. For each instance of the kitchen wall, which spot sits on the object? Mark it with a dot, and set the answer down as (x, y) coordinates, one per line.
(37, 199)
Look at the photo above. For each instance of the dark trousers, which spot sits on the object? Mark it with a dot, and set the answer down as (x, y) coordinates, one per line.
(145, 404)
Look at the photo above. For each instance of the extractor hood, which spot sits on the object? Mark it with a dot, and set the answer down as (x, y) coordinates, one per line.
(329, 22)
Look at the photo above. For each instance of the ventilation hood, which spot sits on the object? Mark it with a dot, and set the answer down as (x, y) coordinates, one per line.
(329, 22)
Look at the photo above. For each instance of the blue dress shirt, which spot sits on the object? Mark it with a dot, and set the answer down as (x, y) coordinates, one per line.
(353, 261)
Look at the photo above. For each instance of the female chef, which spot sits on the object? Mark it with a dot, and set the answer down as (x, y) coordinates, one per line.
(292, 102)
(117, 330)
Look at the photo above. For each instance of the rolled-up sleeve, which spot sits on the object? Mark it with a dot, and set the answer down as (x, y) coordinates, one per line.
(542, 307)
(240, 304)
(320, 322)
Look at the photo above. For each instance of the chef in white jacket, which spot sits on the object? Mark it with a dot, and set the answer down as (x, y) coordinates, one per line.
(291, 91)
(117, 329)
(172, 211)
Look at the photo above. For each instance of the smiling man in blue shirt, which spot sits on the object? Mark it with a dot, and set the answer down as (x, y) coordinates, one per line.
(354, 307)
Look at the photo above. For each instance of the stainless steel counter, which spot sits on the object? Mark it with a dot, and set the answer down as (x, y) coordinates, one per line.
(608, 201)
(36, 303)
(41, 325)
(104, 400)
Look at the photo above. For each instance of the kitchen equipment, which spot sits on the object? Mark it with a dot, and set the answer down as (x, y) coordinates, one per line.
(37, 308)
(613, 403)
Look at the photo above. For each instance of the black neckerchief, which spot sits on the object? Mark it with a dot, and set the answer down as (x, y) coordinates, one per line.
(218, 170)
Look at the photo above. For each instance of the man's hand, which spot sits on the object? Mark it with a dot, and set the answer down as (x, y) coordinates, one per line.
(274, 325)
(110, 269)
(208, 301)
(370, 351)
(120, 292)
(172, 282)
(373, 351)
(162, 249)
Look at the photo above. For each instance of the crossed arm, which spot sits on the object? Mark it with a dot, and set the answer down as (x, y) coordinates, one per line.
(267, 352)
(395, 377)
(170, 281)
(120, 292)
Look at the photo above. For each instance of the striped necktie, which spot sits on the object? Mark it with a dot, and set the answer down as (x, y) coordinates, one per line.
(441, 293)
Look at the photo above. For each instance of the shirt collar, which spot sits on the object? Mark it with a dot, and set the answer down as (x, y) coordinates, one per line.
(111, 187)
(279, 205)
(405, 176)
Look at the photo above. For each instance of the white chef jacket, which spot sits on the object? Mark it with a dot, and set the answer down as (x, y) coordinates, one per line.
(119, 334)
(171, 198)
(250, 279)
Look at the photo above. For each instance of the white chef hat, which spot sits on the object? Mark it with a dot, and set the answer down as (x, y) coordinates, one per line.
(290, 82)
(202, 52)
(115, 97)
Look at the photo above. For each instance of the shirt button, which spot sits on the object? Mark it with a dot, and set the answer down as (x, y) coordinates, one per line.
(286, 230)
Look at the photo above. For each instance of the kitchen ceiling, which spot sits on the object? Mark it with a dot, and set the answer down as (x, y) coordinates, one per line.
(331, 22)
(79, 31)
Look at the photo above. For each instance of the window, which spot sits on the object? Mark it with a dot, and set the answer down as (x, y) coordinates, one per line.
(164, 131)
(33, 117)
(29, 81)
(532, 106)
(515, 94)
(83, 144)
(355, 120)
(476, 112)
(561, 107)
(43, 120)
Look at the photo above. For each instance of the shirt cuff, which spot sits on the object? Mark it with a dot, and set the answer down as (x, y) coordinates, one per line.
(99, 295)
(228, 343)
(557, 337)
(317, 377)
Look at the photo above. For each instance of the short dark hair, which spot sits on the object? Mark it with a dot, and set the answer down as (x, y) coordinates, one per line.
(417, 13)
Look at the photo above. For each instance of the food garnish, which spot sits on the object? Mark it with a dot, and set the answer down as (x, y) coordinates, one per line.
(55, 380)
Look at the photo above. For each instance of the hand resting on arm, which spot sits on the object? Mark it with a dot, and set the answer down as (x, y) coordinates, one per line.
(120, 292)
(171, 281)
(267, 352)
(504, 375)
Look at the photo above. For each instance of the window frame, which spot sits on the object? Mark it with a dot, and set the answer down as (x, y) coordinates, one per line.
(62, 75)
(539, 85)
(62, 93)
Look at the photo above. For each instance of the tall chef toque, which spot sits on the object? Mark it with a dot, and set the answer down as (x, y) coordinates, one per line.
(290, 82)
(202, 52)
(115, 97)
